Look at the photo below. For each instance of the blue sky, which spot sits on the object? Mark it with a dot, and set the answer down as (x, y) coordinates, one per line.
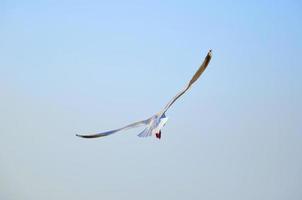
(71, 67)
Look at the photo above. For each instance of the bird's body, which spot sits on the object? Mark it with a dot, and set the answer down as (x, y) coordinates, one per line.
(154, 124)
(154, 127)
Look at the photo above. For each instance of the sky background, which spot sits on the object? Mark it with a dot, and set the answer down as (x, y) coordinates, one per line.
(70, 67)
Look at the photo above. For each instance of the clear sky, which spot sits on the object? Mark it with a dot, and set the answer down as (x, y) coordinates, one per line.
(70, 67)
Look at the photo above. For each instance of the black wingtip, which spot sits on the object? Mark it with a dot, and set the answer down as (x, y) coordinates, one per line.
(90, 136)
(82, 136)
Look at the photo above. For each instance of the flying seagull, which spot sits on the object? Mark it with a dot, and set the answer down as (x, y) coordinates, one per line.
(154, 124)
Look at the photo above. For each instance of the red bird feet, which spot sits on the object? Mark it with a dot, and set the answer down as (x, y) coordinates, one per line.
(158, 135)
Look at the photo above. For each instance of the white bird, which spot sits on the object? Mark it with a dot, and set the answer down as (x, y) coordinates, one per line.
(154, 124)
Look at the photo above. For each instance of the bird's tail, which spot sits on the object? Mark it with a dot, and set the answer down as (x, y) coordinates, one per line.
(145, 133)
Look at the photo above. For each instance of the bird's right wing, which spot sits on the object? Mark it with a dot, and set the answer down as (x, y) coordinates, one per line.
(197, 74)
(133, 125)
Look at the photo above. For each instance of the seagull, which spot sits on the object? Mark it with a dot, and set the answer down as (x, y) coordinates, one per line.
(154, 124)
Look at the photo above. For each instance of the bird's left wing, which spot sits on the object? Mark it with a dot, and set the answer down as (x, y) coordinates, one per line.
(197, 74)
(133, 125)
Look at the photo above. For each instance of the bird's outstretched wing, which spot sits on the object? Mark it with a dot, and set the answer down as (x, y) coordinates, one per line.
(133, 125)
(201, 69)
